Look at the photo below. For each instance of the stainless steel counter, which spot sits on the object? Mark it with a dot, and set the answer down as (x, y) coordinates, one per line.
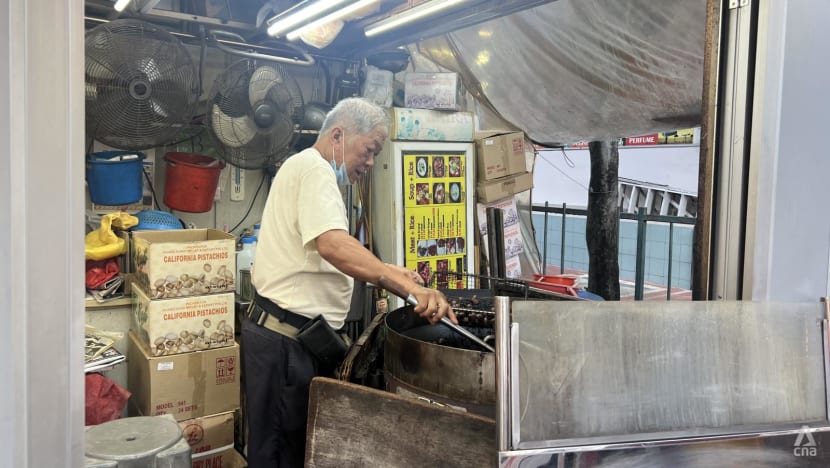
(584, 377)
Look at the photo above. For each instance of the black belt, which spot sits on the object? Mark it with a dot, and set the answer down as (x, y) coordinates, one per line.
(284, 316)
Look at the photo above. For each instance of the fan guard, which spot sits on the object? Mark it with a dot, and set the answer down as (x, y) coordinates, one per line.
(141, 85)
(255, 110)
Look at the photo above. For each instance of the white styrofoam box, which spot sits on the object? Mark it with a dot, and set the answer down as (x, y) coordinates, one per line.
(379, 86)
(433, 91)
(431, 125)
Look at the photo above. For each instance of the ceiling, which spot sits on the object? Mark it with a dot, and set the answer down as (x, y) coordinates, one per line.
(240, 17)
(602, 69)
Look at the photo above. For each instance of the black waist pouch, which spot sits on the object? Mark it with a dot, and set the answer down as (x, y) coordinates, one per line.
(323, 342)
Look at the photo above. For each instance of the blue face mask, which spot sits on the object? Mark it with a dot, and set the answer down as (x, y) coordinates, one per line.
(341, 172)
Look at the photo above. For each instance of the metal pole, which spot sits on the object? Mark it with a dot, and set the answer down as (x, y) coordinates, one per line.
(495, 245)
(640, 272)
(503, 371)
(545, 244)
(562, 252)
(668, 276)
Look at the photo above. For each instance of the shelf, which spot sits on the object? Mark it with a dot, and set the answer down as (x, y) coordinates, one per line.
(92, 304)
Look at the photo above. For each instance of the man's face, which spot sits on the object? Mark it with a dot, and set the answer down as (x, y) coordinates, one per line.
(360, 151)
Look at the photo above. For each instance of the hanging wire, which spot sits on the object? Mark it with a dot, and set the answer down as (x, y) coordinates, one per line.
(543, 158)
(567, 159)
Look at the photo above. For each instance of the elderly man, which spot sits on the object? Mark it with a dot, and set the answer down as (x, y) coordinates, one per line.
(304, 267)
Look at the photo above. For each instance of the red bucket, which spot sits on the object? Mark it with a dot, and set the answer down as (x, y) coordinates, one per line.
(191, 181)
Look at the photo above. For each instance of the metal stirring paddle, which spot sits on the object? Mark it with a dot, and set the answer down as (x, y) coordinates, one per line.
(414, 302)
(396, 289)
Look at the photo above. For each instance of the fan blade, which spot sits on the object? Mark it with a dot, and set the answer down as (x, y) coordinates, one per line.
(261, 82)
(281, 132)
(232, 131)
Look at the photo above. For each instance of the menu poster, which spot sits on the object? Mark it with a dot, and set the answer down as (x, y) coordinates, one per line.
(513, 267)
(435, 217)
(510, 214)
(513, 245)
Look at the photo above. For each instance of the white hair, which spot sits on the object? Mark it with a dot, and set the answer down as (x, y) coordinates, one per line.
(356, 115)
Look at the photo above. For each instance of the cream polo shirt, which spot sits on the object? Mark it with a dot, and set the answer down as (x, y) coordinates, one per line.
(304, 202)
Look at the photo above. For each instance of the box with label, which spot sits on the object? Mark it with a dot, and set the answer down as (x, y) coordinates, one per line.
(184, 262)
(186, 386)
(433, 91)
(212, 433)
(431, 125)
(184, 324)
(493, 190)
(499, 153)
(226, 459)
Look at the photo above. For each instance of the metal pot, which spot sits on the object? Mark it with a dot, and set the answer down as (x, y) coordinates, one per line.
(415, 365)
(314, 114)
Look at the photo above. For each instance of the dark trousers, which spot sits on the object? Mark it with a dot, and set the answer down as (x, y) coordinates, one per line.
(278, 371)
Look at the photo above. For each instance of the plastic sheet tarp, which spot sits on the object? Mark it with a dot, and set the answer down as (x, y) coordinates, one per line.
(575, 70)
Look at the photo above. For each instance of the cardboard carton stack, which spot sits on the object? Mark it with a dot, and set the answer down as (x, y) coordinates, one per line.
(502, 167)
(183, 359)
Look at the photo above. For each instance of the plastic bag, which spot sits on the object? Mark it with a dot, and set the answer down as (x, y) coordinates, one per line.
(98, 272)
(105, 400)
(102, 243)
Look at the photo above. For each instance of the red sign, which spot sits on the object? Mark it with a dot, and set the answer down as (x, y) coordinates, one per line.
(642, 140)
(579, 145)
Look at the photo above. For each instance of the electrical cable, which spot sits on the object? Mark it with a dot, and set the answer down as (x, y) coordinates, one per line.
(251, 206)
(563, 172)
(202, 54)
(150, 184)
(567, 159)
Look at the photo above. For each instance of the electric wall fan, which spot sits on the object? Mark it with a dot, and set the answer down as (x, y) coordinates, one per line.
(141, 85)
(255, 114)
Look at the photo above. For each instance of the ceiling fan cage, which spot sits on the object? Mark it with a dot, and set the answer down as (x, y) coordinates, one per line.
(141, 85)
(256, 112)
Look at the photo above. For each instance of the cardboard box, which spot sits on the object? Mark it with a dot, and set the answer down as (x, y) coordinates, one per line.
(186, 386)
(212, 433)
(499, 153)
(184, 262)
(433, 91)
(431, 125)
(499, 189)
(226, 459)
(184, 324)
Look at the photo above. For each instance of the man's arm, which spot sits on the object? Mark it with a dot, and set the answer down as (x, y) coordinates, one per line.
(349, 256)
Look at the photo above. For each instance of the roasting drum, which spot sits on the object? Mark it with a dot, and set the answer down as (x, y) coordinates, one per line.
(415, 365)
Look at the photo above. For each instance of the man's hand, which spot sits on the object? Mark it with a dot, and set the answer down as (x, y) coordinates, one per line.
(432, 305)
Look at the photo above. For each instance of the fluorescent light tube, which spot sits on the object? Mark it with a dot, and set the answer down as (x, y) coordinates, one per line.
(343, 12)
(407, 16)
(121, 4)
(299, 14)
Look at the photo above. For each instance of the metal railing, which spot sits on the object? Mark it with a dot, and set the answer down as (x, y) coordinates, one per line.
(642, 219)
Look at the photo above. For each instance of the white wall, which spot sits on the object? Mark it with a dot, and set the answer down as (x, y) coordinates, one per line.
(557, 182)
(41, 234)
(788, 259)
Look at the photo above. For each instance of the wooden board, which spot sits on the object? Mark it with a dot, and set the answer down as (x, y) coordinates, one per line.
(350, 425)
